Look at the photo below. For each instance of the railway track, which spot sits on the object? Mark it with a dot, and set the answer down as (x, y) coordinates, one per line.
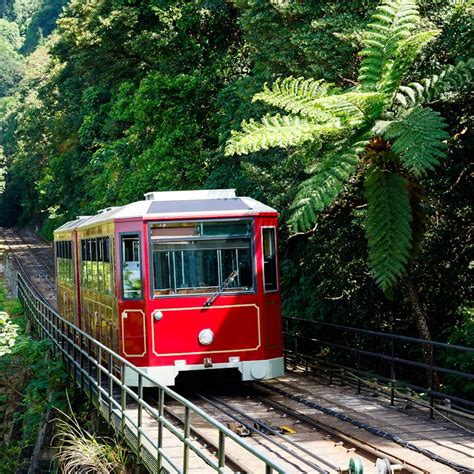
(35, 258)
(290, 435)
(42, 249)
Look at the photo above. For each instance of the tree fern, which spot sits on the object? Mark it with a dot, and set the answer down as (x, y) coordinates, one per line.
(418, 137)
(388, 228)
(412, 140)
(392, 23)
(283, 131)
(320, 190)
(430, 89)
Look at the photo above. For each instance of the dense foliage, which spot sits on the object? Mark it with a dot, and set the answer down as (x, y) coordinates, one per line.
(379, 128)
(130, 96)
(32, 382)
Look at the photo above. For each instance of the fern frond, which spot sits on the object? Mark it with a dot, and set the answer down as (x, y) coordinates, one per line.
(320, 190)
(393, 22)
(353, 108)
(310, 98)
(277, 130)
(406, 52)
(296, 96)
(418, 137)
(388, 226)
(428, 90)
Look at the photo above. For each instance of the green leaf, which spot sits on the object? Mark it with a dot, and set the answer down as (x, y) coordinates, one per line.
(430, 89)
(418, 137)
(296, 96)
(328, 180)
(282, 131)
(388, 228)
(391, 25)
(407, 51)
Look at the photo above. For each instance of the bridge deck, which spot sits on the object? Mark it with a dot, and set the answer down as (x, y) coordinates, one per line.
(445, 438)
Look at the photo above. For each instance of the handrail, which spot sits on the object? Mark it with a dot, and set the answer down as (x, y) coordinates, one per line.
(312, 342)
(100, 373)
(385, 334)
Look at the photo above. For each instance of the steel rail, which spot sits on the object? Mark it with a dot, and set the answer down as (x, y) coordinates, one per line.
(20, 265)
(361, 425)
(231, 461)
(39, 250)
(372, 451)
(41, 267)
(39, 258)
(93, 370)
(214, 401)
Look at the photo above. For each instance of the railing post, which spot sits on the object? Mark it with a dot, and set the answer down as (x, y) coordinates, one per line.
(89, 370)
(161, 412)
(110, 386)
(67, 340)
(221, 453)
(74, 349)
(81, 360)
(140, 412)
(123, 400)
(359, 388)
(432, 380)
(392, 372)
(296, 349)
(99, 377)
(186, 433)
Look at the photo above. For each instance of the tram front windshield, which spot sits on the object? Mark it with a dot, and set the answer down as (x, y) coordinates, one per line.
(198, 257)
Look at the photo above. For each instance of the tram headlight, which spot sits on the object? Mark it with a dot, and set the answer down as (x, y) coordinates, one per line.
(206, 337)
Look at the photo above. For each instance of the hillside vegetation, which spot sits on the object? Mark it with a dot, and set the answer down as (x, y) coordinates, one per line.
(128, 96)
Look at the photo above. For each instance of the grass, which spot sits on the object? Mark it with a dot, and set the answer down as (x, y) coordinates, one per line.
(80, 451)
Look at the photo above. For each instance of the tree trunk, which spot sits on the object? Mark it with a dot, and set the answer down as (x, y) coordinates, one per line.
(423, 330)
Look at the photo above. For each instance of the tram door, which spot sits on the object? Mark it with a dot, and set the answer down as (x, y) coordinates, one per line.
(132, 310)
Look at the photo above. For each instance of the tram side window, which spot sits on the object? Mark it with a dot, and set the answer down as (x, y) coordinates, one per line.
(95, 264)
(269, 259)
(64, 264)
(131, 267)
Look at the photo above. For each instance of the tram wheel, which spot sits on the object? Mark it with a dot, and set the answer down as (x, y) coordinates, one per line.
(356, 466)
(382, 466)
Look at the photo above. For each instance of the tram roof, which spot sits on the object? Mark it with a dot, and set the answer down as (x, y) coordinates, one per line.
(176, 204)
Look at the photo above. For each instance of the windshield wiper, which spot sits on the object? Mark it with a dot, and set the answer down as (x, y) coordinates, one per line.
(232, 276)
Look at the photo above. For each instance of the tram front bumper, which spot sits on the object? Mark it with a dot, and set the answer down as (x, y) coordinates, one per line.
(166, 375)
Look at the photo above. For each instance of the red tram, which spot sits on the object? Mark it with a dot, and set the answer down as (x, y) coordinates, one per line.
(183, 280)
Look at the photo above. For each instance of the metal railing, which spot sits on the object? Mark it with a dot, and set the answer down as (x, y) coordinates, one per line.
(100, 373)
(401, 362)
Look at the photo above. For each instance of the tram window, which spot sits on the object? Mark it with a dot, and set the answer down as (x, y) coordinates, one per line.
(269, 259)
(64, 265)
(226, 228)
(131, 267)
(202, 266)
(95, 264)
(202, 228)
